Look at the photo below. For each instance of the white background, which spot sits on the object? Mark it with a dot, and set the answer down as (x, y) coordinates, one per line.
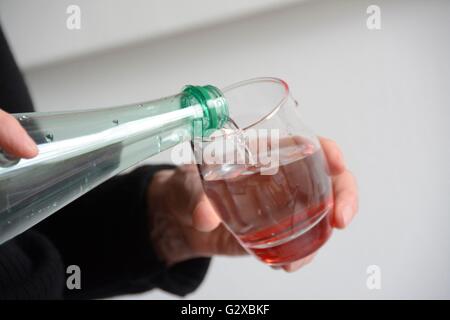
(382, 95)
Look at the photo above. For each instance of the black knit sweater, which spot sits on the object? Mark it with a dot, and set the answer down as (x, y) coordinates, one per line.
(105, 233)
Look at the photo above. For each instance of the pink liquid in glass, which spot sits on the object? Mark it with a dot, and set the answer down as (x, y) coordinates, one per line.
(280, 218)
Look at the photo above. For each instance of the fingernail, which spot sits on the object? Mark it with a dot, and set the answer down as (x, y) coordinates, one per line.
(294, 266)
(202, 222)
(347, 214)
(31, 146)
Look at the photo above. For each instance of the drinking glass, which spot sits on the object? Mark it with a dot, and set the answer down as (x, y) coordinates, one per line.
(267, 178)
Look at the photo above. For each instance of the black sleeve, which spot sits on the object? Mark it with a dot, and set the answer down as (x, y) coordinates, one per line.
(106, 234)
(14, 96)
(30, 268)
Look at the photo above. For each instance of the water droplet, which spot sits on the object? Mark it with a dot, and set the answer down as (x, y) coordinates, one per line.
(54, 204)
(140, 105)
(9, 222)
(49, 137)
(116, 122)
(23, 118)
(159, 143)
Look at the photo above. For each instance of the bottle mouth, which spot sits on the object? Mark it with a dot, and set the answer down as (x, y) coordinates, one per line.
(213, 103)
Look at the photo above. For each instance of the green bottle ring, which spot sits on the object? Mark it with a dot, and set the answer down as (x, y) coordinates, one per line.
(215, 108)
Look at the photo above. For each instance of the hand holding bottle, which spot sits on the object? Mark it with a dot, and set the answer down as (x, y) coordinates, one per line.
(14, 140)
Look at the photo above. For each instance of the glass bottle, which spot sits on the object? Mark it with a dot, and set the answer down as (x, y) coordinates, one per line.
(80, 150)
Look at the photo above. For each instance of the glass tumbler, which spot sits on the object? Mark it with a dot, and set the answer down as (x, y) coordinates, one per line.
(267, 178)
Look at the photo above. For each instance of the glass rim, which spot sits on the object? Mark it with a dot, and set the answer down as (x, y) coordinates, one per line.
(267, 116)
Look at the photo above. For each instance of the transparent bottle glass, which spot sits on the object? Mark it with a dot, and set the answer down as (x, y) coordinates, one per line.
(268, 180)
(79, 150)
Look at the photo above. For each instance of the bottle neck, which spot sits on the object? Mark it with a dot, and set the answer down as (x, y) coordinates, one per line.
(214, 106)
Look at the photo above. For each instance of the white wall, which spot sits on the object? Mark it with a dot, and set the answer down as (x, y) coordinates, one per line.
(107, 24)
(383, 95)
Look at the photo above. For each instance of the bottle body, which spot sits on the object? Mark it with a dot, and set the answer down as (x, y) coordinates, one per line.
(80, 150)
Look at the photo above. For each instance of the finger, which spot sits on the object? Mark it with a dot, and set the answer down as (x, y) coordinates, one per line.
(200, 213)
(205, 217)
(275, 267)
(183, 192)
(218, 242)
(14, 139)
(333, 155)
(294, 266)
(346, 199)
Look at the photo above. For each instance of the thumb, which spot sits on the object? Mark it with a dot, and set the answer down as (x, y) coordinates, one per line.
(14, 139)
(187, 189)
(204, 216)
